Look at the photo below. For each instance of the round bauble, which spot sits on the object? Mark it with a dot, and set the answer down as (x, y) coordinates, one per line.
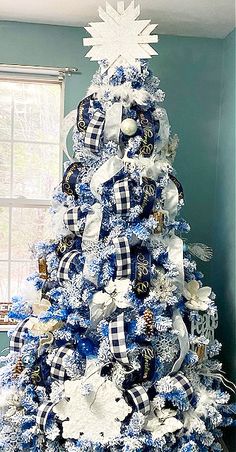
(129, 127)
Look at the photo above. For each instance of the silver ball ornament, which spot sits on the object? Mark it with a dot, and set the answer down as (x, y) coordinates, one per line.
(129, 127)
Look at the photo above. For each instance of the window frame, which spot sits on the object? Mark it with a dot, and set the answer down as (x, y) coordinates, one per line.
(21, 201)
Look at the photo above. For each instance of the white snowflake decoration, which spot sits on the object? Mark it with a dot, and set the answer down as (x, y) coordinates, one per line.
(120, 38)
(94, 415)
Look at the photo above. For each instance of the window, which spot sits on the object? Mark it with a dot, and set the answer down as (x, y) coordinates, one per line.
(30, 161)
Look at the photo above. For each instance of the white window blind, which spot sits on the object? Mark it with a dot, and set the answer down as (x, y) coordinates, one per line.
(30, 167)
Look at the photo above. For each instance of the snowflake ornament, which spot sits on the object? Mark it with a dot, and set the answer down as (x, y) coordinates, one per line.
(120, 38)
(95, 414)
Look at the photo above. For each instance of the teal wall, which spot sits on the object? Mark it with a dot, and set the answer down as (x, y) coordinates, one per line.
(223, 268)
(197, 75)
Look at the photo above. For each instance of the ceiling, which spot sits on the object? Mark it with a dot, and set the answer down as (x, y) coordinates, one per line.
(206, 18)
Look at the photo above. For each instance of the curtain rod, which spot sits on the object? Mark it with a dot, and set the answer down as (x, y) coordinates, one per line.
(60, 72)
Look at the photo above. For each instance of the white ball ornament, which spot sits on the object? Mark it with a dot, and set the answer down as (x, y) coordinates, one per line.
(129, 127)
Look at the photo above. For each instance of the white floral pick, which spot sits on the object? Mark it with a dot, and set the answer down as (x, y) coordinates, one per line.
(197, 297)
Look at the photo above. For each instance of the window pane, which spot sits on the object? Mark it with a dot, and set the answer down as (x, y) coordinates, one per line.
(35, 170)
(5, 110)
(4, 232)
(37, 112)
(5, 169)
(19, 273)
(28, 226)
(3, 281)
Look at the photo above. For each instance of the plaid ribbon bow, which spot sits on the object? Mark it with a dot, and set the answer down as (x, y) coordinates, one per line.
(64, 265)
(43, 412)
(71, 220)
(117, 339)
(181, 382)
(58, 371)
(122, 196)
(17, 337)
(140, 399)
(94, 131)
(123, 259)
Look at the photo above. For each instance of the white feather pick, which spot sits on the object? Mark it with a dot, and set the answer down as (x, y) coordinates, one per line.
(200, 250)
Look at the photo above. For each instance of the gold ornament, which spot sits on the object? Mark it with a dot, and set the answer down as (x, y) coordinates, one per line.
(201, 352)
(43, 271)
(159, 216)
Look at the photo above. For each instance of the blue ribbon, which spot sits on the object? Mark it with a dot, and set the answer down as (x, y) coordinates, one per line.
(148, 196)
(70, 178)
(149, 129)
(142, 271)
(83, 113)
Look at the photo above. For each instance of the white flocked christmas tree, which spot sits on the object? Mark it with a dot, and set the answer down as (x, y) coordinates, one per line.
(114, 348)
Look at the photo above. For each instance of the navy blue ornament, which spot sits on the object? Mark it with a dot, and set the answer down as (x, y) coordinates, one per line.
(86, 347)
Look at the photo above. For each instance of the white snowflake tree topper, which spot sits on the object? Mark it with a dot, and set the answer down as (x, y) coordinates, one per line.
(120, 38)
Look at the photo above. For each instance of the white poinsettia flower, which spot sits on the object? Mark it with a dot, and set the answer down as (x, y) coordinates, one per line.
(162, 422)
(197, 297)
(104, 303)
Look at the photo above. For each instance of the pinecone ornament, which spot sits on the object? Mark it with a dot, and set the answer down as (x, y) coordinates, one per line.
(148, 318)
(18, 368)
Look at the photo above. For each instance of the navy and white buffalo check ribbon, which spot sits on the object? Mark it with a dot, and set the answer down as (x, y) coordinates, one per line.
(58, 371)
(94, 131)
(123, 259)
(43, 412)
(17, 337)
(140, 399)
(117, 339)
(122, 196)
(181, 382)
(64, 265)
(71, 220)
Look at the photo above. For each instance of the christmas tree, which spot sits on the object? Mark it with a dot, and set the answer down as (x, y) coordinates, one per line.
(114, 349)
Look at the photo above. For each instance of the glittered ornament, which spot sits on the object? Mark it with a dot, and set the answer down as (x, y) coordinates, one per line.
(159, 216)
(43, 271)
(201, 352)
(129, 127)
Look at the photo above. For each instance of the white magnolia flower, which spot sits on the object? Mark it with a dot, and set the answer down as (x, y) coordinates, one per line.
(197, 297)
